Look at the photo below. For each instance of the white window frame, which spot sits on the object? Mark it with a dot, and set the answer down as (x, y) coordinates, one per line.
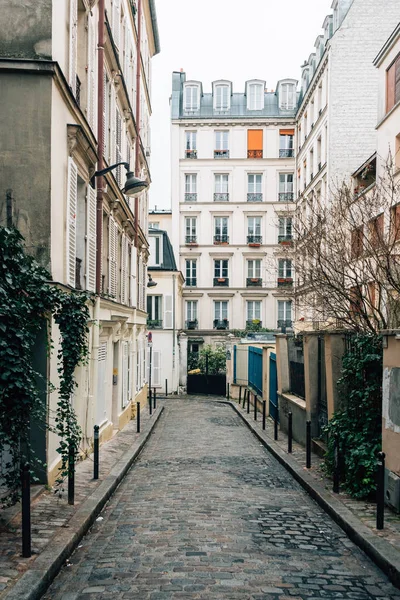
(287, 96)
(222, 97)
(253, 225)
(190, 140)
(190, 183)
(254, 183)
(191, 97)
(221, 226)
(155, 300)
(191, 226)
(221, 309)
(285, 186)
(222, 140)
(191, 310)
(255, 96)
(285, 268)
(284, 309)
(285, 227)
(190, 268)
(253, 268)
(220, 268)
(253, 310)
(221, 183)
(156, 248)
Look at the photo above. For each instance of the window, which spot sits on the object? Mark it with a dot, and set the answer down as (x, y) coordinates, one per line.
(393, 84)
(356, 300)
(154, 224)
(395, 222)
(285, 187)
(376, 231)
(286, 137)
(253, 311)
(254, 188)
(254, 230)
(191, 144)
(254, 143)
(191, 273)
(221, 230)
(255, 96)
(285, 229)
(220, 310)
(284, 313)
(221, 268)
(287, 96)
(154, 306)
(221, 144)
(156, 254)
(284, 269)
(221, 97)
(191, 97)
(221, 193)
(357, 242)
(190, 230)
(191, 187)
(254, 268)
(191, 312)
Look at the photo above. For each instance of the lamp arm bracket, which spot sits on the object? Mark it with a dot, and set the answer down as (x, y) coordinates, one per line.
(108, 169)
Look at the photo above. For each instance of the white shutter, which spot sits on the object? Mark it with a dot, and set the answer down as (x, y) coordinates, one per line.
(127, 49)
(124, 269)
(72, 201)
(91, 206)
(91, 74)
(140, 278)
(156, 368)
(130, 371)
(112, 126)
(116, 22)
(73, 44)
(112, 257)
(133, 290)
(125, 373)
(118, 145)
(167, 312)
(101, 411)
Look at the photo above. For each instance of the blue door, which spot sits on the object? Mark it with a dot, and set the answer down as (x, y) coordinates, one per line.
(273, 388)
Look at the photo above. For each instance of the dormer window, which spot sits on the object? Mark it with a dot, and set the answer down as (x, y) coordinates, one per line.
(287, 96)
(255, 95)
(222, 97)
(191, 97)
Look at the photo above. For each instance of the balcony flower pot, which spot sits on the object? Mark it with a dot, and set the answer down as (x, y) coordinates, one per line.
(254, 279)
(254, 244)
(221, 279)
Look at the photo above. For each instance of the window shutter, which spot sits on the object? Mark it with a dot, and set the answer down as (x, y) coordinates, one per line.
(116, 22)
(91, 206)
(127, 50)
(118, 144)
(72, 200)
(112, 257)
(91, 74)
(73, 44)
(125, 374)
(106, 112)
(112, 126)
(168, 312)
(254, 139)
(133, 290)
(140, 282)
(156, 368)
(124, 269)
(130, 371)
(101, 410)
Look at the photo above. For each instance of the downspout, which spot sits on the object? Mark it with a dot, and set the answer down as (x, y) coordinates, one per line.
(137, 147)
(173, 331)
(100, 146)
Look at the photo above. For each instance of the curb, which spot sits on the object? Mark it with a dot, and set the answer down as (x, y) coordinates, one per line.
(44, 569)
(381, 552)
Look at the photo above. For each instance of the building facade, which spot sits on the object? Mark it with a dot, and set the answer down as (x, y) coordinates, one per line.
(77, 98)
(232, 194)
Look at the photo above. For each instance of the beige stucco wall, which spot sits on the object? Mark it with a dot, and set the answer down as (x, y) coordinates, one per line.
(391, 403)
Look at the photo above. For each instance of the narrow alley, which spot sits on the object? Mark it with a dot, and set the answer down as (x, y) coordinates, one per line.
(207, 513)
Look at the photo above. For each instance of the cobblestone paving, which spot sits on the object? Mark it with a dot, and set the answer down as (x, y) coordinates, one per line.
(207, 513)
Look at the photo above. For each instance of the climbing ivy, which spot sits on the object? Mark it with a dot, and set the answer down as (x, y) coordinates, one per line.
(27, 300)
(358, 422)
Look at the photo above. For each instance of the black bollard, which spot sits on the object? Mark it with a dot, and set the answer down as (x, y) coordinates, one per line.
(26, 511)
(275, 429)
(336, 462)
(244, 398)
(380, 491)
(227, 391)
(71, 475)
(240, 395)
(255, 407)
(248, 402)
(308, 445)
(264, 412)
(96, 452)
(166, 387)
(290, 432)
(138, 417)
(150, 403)
(154, 399)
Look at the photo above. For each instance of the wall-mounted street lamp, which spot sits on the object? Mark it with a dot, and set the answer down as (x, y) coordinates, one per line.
(151, 282)
(133, 185)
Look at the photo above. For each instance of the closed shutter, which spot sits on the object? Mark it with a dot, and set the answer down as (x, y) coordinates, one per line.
(133, 279)
(112, 257)
(124, 269)
(72, 201)
(91, 74)
(167, 312)
(125, 373)
(91, 239)
(116, 22)
(112, 125)
(73, 44)
(101, 410)
(118, 145)
(126, 53)
(397, 82)
(156, 368)
(130, 371)
(106, 115)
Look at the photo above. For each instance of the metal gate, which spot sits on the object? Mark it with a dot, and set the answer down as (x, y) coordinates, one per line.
(255, 369)
(202, 383)
(322, 399)
(273, 388)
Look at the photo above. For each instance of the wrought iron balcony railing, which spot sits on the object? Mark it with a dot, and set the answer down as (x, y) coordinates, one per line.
(192, 324)
(191, 197)
(191, 281)
(285, 239)
(286, 196)
(221, 197)
(253, 282)
(254, 153)
(221, 324)
(190, 153)
(154, 323)
(221, 238)
(251, 197)
(286, 153)
(221, 153)
(254, 240)
(191, 239)
(253, 323)
(284, 323)
(285, 282)
(221, 282)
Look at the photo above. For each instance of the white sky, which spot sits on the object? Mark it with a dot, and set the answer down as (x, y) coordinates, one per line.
(225, 39)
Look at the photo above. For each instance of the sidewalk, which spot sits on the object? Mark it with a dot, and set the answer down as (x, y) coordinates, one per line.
(57, 527)
(356, 517)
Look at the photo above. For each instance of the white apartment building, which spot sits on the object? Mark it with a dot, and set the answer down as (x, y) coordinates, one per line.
(233, 170)
(74, 104)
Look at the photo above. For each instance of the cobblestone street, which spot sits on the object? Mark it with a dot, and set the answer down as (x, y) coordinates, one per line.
(207, 513)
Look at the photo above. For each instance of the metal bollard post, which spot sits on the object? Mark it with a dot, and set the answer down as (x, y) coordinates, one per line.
(264, 413)
(138, 417)
(380, 491)
(150, 403)
(244, 397)
(26, 511)
(255, 407)
(154, 399)
(96, 452)
(276, 429)
(71, 475)
(240, 395)
(290, 432)
(248, 402)
(308, 444)
(227, 392)
(336, 460)
(166, 387)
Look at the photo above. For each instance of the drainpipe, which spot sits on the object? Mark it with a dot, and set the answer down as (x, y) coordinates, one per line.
(173, 330)
(100, 145)
(137, 147)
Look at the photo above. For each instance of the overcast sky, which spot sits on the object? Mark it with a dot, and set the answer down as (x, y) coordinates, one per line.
(225, 39)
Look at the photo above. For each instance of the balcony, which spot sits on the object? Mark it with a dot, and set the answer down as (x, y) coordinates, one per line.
(191, 240)
(221, 324)
(221, 238)
(221, 282)
(191, 154)
(219, 197)
(254, 153)
(191, 324)
(285, 240)
(254, 240)
(253, 282)
(221, 153)
(286, 153)
(191, 281)
(283, 324)
(251, 197)
(154, 323)
(286, 196)
(253, 324)
(285, 282)
(191, 197)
